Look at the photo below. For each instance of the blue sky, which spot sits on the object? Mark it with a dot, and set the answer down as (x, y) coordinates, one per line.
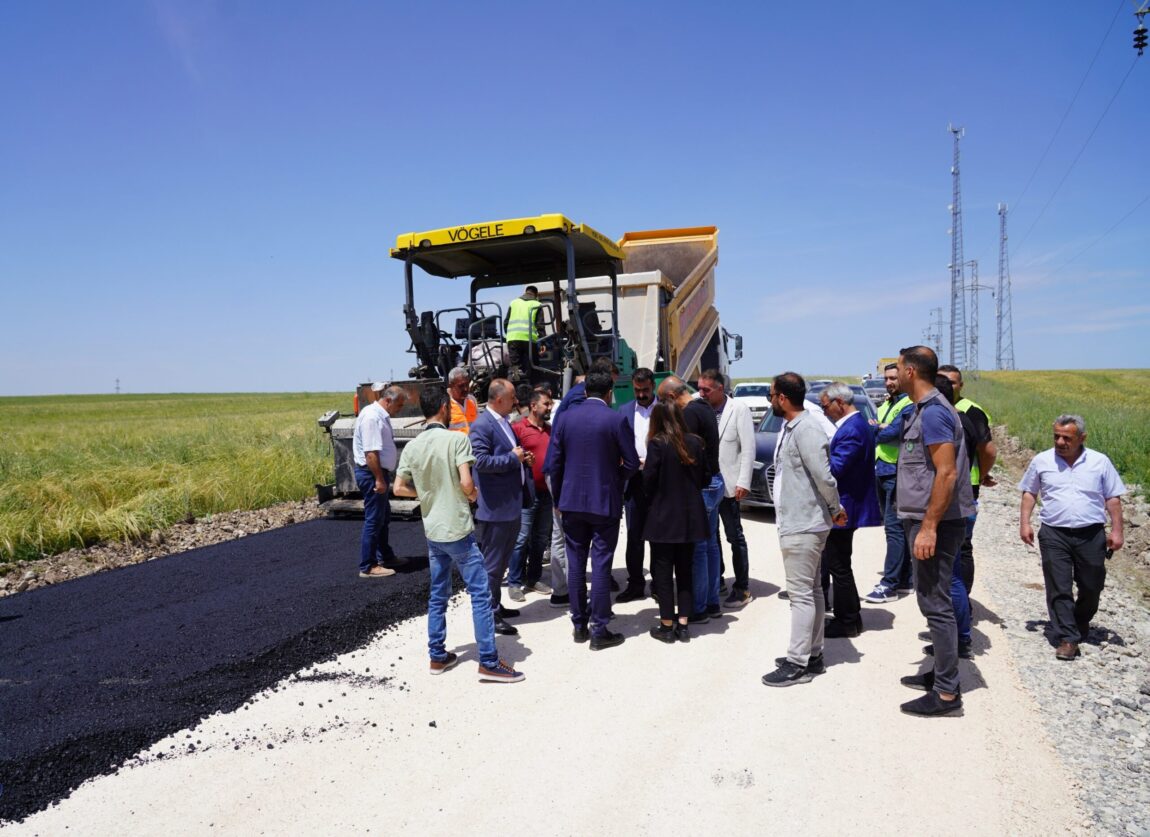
(200, 196)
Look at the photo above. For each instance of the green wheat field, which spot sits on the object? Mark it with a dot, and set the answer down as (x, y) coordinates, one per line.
(1114, 402)
(80, 469)
(75, 470)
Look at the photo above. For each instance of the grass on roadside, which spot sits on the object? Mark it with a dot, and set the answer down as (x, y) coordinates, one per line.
(79, 469)
(1114, 402)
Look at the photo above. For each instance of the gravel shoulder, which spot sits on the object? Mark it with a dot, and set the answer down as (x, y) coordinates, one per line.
(1096, 709)
(641, 738)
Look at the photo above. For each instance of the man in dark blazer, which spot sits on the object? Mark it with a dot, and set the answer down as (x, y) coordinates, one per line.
(852, 464)
(637, 414)
(502, 482)
(593, 459)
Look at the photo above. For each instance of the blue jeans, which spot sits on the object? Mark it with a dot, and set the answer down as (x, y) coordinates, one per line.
(373, 546)
(733, 527)
(705, 565)
(466, 556)
(896, 569)
(966, 557)
(961, 601)
(534, 536)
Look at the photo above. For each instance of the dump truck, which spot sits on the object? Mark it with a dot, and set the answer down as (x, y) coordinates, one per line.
(644, 300)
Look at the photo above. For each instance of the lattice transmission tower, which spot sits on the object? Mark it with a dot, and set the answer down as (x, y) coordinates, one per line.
(932, 334)
(973, 287)
(1004, 341)
(958, 335)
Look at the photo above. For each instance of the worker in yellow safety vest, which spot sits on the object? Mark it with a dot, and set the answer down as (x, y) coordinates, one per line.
(464, 407)
(522, 328)
(982, 459)
(896, 573)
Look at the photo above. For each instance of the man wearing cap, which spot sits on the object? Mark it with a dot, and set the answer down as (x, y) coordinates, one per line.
(522, 327)
(373, 448)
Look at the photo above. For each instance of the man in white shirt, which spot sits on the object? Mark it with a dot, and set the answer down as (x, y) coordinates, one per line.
(375, 455)
(1079, 489)
(638, 416)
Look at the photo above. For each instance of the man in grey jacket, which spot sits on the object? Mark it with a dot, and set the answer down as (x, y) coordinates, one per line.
(806, 505)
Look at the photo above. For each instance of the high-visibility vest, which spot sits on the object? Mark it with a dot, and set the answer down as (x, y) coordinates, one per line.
(962, 406)
(887, 412)
(521, 320)
(463, 416)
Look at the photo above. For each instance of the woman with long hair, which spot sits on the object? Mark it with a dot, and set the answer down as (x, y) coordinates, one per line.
(674, 475)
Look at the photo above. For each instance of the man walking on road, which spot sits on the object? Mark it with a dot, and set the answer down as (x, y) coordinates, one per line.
(736, 432)
(1079, 488)
(374, 452)
(502, 482)
(593, 454)
(934, 500)
(896, 572)
(436, 467)
(806, 506)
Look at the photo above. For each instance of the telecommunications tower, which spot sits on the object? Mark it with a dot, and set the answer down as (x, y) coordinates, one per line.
(1004, 340)
(958, 336)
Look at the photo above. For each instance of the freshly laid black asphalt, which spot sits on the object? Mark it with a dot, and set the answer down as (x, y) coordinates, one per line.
(97, 669)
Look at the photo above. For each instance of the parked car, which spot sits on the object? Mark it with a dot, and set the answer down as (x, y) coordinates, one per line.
(757, 396)
(876, 389)
(767, 435)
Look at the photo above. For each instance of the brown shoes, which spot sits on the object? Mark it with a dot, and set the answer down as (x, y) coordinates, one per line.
(377, 572)
(1067, 651)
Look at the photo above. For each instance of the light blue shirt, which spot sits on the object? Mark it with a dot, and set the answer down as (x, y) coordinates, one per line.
(1075, 495)
(373, 433)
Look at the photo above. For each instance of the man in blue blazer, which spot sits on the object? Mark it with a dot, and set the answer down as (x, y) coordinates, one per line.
(502, 482)
(852, 464)
(593, 459)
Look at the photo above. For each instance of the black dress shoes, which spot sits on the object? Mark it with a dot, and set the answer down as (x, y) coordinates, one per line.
(506, 612)
(581, 634)
(504, 629)
(607, 639)
(840, 629)
(664, 633)
(630, 595)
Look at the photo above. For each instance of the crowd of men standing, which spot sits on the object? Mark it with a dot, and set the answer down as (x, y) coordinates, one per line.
(502, 487)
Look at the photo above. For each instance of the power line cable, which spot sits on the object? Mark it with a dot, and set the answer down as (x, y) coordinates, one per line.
(1018, 201)
(1077, 157)
(1113, 227)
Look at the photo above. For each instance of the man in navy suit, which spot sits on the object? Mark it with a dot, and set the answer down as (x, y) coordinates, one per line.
(592, 460)
(637, 414)
(852, 464)
(502, 481)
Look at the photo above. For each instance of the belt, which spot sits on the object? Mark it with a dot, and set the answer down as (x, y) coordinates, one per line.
(1092, 529)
